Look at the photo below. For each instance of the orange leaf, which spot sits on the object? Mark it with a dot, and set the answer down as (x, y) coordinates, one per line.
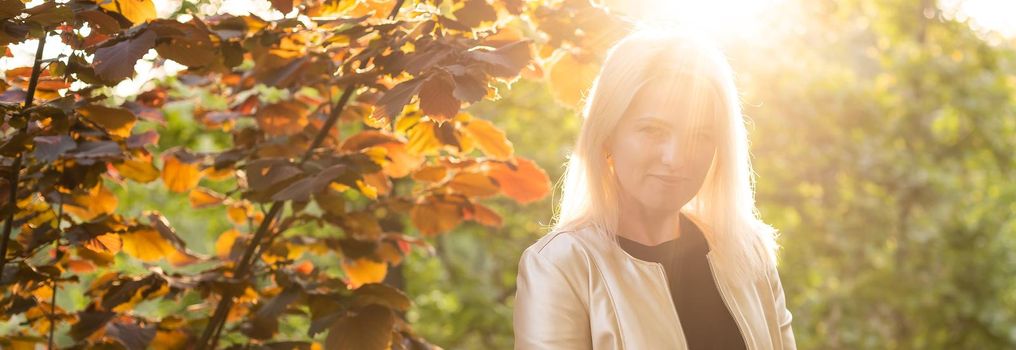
(525, 183)
(98, 201)
(106, 243)
(203, 197)
(489, 139)
(482, 215)
(570, 78)
(224, 244)
(147, 244)
(139, 170)
(178, 175)
(430, 174)
(362, 271)
(136, 11)
(473, 185)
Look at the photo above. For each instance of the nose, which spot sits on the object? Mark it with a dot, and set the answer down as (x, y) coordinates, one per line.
(670, 152)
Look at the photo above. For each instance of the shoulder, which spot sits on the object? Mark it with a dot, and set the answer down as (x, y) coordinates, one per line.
(571, 251)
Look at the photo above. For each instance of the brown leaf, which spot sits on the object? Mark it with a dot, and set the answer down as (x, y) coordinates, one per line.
(475, 12)
(437, 98)
(369, 328)
(433, 215)
(390, 105)
(505, 61)
(115, 62)
(284, 118)
(117, 121)
(524, 182)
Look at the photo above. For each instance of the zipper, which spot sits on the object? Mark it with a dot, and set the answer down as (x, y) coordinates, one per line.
(723, 296)
(670, 300)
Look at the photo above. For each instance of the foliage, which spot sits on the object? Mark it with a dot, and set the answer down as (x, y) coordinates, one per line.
(341, 145)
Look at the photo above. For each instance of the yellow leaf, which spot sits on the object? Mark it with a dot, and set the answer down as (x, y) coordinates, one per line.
(146, 245)
(362, 271)
(224, 244)
(179, 176)
(136, 11)
(422, 139)
(367, 190)
(138, 170)
(489, 139)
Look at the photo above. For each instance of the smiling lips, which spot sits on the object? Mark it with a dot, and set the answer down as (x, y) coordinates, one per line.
(668, 179)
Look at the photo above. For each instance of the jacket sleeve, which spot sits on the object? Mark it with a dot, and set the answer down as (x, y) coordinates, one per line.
(784, 317)
(549, 311)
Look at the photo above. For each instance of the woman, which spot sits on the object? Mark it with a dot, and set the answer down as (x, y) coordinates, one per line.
(657, 243)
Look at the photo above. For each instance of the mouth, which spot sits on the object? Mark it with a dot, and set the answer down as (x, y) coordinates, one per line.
(668, 179)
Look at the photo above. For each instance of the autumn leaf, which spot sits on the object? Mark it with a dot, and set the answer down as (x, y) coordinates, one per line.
(433, 215)
(392, 102)
(363, 270)
(96, 202)
(178, 175)
(437, 99)
(483, 215)
(115, 62)
(570, 78)
(146, 244)
(136, 11)
(473, 184)
(203, 197)
(524, 182)
(224, 244)
(284, 118)
(368, 328)
(117, 121)
(489, 139)
(140, 170)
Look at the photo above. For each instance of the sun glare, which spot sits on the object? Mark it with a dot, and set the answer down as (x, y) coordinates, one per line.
(714, 17)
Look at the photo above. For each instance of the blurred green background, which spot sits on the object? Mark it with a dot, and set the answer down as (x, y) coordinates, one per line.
(883, 137)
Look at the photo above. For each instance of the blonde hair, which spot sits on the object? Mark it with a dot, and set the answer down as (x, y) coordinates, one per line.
(725, 204)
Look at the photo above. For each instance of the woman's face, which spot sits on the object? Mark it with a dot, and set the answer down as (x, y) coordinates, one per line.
(663, 146)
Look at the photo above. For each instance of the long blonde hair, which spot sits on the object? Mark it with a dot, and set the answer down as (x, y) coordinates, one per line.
(726, 202)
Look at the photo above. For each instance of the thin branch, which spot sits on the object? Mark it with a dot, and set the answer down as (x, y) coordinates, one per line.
(209, 338)
(12, 199)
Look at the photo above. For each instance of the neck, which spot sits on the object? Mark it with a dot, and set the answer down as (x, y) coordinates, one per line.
(646, 226)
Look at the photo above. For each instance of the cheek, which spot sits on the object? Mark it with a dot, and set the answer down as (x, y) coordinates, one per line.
(630, 159)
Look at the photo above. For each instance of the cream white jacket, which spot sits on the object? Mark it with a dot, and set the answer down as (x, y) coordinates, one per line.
(578, 291)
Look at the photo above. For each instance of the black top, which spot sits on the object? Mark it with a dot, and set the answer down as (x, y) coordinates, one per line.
(705, 319)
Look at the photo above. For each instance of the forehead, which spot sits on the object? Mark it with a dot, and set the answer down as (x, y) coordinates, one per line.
(678, 100)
